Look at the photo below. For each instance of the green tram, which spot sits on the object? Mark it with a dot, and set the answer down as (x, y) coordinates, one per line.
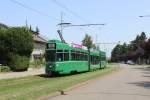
(61, 58)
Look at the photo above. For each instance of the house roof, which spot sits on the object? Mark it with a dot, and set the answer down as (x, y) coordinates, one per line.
(3, 26)
(38, 38)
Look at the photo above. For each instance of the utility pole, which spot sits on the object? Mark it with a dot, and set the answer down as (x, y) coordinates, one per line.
(26, 23)
(61, 21)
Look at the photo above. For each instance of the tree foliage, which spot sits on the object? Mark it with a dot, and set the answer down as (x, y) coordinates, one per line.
(15, 41)
(19, 40)
(88, 42)
(37, 30)
(137, 48)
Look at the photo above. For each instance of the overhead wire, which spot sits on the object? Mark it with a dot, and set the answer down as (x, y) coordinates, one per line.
(33, 9)
(70, 11)
(48, 16)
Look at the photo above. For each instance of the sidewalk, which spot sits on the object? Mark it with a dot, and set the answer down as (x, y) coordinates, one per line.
(21, 74)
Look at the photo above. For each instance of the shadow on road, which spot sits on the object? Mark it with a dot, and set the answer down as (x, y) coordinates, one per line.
(146, 72)
(145, 84)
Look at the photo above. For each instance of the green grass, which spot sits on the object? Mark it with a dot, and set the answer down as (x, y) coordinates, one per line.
(33, 87)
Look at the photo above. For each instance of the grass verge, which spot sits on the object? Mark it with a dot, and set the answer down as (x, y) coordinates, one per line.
(34, 87)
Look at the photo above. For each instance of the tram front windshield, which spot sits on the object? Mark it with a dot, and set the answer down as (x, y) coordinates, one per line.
(50, 55)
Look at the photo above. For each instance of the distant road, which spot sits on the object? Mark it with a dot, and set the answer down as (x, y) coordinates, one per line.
(9, 75)
(131, 83)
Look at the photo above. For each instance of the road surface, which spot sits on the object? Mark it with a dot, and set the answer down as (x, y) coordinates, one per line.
(130, 83)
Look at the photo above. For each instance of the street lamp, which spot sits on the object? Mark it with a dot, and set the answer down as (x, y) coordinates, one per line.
(144, 16)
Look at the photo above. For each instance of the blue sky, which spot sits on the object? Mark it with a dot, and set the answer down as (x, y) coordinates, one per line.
(121, 17)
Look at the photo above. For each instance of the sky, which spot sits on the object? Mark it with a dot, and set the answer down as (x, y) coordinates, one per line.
(120, 16)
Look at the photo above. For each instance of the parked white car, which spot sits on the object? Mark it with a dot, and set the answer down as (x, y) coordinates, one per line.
(130, 62)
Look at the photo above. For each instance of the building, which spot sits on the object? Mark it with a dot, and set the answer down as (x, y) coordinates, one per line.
(39, 46)
(3, 26)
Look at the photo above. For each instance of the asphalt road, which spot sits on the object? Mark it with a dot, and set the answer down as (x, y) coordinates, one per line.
(130, 83)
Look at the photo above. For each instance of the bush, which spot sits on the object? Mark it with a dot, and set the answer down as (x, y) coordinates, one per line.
(16, 40)
(4, 69)
(19, 63)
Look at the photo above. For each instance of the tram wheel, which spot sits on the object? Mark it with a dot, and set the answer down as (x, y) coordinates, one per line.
(50, 74)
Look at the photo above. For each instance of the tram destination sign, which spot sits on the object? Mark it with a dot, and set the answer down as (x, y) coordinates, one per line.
(51, 46)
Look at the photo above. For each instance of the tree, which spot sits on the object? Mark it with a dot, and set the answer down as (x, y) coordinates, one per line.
(134, 51)
(119, 52)
(19, 40)
(94, 46)
(138, 41)
(87, 41)
(30, 28)
(115, 53)
(37, 30)
(15, 41)
(143, 37)
(3, 47)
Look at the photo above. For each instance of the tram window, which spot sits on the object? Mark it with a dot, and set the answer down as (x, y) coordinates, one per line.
(91, 59)
(59, 51)
(82, 56)
(97, 60)
(66, 56)
(50, 55)
(103, 58)
(85, 57)
(73, 55)
(77, 56)
(94, 60)
(60, 56)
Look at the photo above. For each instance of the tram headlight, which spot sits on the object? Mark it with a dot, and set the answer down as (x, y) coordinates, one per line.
(50, 66)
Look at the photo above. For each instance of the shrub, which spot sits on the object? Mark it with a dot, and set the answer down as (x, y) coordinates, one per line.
(19, 63)
(17, 40)
(4, 69)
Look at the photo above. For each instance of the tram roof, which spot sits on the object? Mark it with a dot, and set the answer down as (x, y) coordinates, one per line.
(65, 46)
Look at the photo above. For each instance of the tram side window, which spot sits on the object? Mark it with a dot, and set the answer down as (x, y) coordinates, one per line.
(94, 60)
(103, 58)
(73, 55)
(66, 55)
(97, 60)
(85, 57)
(78, 56)
(91, 59)
(60, 56)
